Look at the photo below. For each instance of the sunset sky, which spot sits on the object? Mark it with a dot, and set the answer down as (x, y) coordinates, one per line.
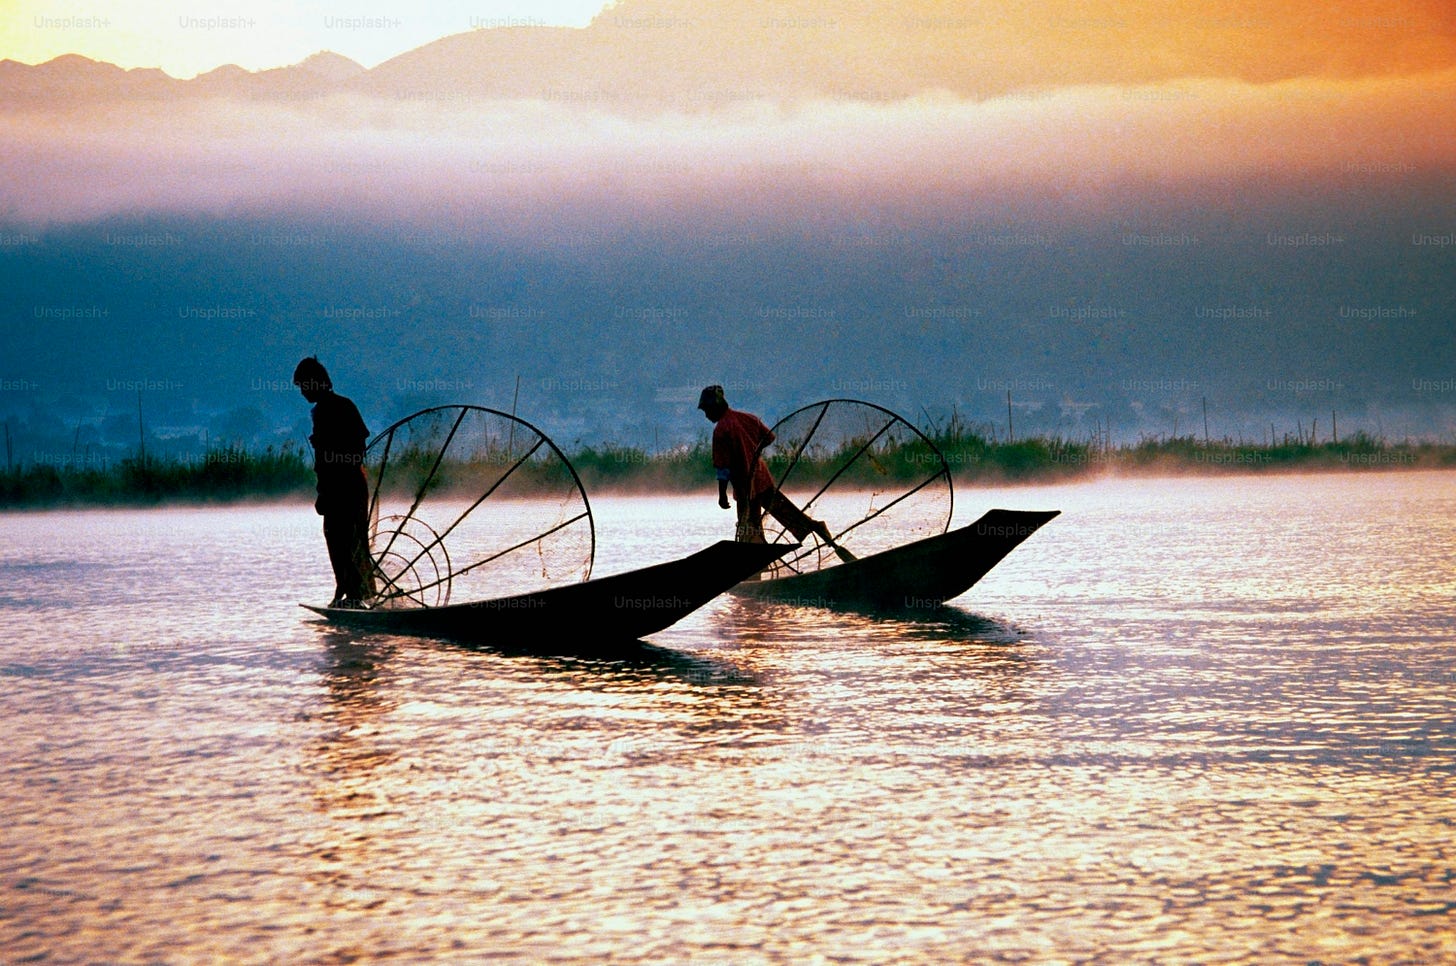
(189, 38)
(1116, 213)
(1059, 40)
(1021, 98)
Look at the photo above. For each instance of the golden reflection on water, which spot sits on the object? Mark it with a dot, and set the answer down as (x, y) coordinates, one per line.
(1190, 721)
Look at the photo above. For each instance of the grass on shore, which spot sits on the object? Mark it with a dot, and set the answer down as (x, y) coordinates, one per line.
(223, 474)
(232, 473)
(972, 457)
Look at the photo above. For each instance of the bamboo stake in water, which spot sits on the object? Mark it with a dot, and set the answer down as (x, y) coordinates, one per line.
(511, 438)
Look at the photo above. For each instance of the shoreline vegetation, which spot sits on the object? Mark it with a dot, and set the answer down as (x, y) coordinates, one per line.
(230, 474)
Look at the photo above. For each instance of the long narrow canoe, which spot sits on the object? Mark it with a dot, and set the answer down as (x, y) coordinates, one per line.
(621, 607)
(925, 573)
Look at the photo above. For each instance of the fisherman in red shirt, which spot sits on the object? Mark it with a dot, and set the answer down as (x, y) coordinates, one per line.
(738, 440)
(338, 439)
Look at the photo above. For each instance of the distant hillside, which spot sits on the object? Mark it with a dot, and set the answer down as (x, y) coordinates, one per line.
(73, 80)
(693, 53)
(689, 55)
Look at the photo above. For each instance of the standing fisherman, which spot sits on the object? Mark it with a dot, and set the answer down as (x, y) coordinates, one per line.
(338, 439)
(739, 439)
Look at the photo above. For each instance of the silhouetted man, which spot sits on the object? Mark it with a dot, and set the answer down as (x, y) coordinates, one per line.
(739, 439)
(338, 439)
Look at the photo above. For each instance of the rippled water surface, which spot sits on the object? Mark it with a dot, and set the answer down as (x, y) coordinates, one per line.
(1189, 720)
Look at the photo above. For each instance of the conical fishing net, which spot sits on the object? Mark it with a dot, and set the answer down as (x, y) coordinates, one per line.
(872, 478)
(471, 504)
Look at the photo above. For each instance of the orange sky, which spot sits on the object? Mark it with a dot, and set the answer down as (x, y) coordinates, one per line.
(1042, 97)
(1040, 42)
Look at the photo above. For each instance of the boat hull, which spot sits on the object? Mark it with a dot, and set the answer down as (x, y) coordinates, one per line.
(621, 607)
(925, 573)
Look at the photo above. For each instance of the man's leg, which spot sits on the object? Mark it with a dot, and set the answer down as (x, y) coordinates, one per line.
(339, 538)
(750, 522)
(799, 523)
(363, 560)
(796, 521)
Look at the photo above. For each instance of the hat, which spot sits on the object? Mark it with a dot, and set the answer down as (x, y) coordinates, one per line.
(711, 396)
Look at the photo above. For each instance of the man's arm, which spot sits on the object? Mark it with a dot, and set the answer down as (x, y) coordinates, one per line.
(357, 430)
(722, 460)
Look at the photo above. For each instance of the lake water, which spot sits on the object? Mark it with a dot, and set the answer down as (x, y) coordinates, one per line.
(1206, 720)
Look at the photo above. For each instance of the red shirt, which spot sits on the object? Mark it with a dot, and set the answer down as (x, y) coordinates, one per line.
(738, 438)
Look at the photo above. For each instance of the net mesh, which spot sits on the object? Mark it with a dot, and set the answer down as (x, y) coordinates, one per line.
(471, 504)
(871, 477)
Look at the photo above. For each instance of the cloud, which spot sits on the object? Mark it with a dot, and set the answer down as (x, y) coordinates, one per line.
(540, 168)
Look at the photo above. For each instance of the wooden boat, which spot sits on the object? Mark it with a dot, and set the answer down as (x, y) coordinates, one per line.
(921, 574)
(621, 607)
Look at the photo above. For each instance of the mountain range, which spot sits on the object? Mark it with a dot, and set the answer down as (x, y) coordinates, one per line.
(72, 78)
(672, 53)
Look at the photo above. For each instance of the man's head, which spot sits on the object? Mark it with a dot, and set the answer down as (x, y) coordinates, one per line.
(312, 379)
(712, 402)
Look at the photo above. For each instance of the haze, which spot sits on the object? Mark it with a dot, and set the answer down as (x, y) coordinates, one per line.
(1112, 218)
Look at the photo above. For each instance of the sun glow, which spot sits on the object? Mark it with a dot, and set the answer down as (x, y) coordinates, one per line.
(185, 38)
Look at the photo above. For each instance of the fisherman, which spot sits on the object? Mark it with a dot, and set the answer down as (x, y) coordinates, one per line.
(338, 441)
(739, 439)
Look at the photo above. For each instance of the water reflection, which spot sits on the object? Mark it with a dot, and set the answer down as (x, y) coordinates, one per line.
(760, 621)
(1198, 746)
(351, 672)
(357, 695)
(624, 662)
(390, 703)
(950, 623)
(354, 657)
